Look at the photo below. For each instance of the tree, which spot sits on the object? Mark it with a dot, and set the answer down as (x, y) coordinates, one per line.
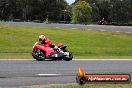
(32, 9)
(82, 11)
(104, 10)
(121, 11)
(95, 13)
(4, 6)
(54, 9)
(75, 13)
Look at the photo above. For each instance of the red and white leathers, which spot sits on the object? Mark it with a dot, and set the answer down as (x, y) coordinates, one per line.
(46, 42)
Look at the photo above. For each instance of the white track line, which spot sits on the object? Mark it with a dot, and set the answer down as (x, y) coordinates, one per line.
(57, 27)
(73, 28)
(18, 59)
(117, 31)
(102, 30)
(100, 59)
(129, 27)
(128, 32)
(48, 74)
(89, 29)
(73, 59)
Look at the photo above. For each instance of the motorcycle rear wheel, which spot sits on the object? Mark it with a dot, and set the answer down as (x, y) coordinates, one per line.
(39, 55)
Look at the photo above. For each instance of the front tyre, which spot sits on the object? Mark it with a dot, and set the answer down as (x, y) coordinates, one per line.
(68, 58)
(81, 80)
(39, 55)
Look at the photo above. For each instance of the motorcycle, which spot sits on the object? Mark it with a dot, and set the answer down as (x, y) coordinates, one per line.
(42, 52)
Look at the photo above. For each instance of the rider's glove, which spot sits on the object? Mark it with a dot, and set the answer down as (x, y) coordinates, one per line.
(56, 47)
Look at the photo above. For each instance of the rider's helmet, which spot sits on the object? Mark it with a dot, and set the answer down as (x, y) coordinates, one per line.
(41, 38)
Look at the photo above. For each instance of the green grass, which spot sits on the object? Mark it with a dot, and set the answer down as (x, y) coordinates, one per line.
(83, 43)
(86, 86)
(93, 86)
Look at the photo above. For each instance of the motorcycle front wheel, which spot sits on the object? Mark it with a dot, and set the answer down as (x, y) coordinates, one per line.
(68, 58)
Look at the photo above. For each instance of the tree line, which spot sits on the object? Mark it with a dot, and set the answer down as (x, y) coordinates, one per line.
(82, 11)
(118, 11)
(31, 9)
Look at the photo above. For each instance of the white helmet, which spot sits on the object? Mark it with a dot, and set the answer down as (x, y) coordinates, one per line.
(41, 38)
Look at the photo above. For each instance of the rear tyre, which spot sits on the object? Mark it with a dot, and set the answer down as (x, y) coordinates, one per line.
(39, 55)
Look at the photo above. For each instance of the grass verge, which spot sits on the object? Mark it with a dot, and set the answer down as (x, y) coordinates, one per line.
(83, 43)
(29, 56)
(85, 86)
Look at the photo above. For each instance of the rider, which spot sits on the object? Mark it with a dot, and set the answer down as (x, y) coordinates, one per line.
(46, 42)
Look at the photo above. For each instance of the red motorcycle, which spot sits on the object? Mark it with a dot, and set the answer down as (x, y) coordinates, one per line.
(42, 52)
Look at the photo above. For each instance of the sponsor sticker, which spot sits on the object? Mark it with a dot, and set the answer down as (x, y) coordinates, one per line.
(82, 78)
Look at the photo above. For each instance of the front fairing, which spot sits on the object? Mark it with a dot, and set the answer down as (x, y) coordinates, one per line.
(44, 48)
(56, 55)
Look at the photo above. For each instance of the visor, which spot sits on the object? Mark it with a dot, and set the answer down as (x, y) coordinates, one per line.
(40, 40)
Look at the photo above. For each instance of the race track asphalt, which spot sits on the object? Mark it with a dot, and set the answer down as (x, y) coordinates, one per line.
(127, 29)
(29, 72)
(14, 73)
